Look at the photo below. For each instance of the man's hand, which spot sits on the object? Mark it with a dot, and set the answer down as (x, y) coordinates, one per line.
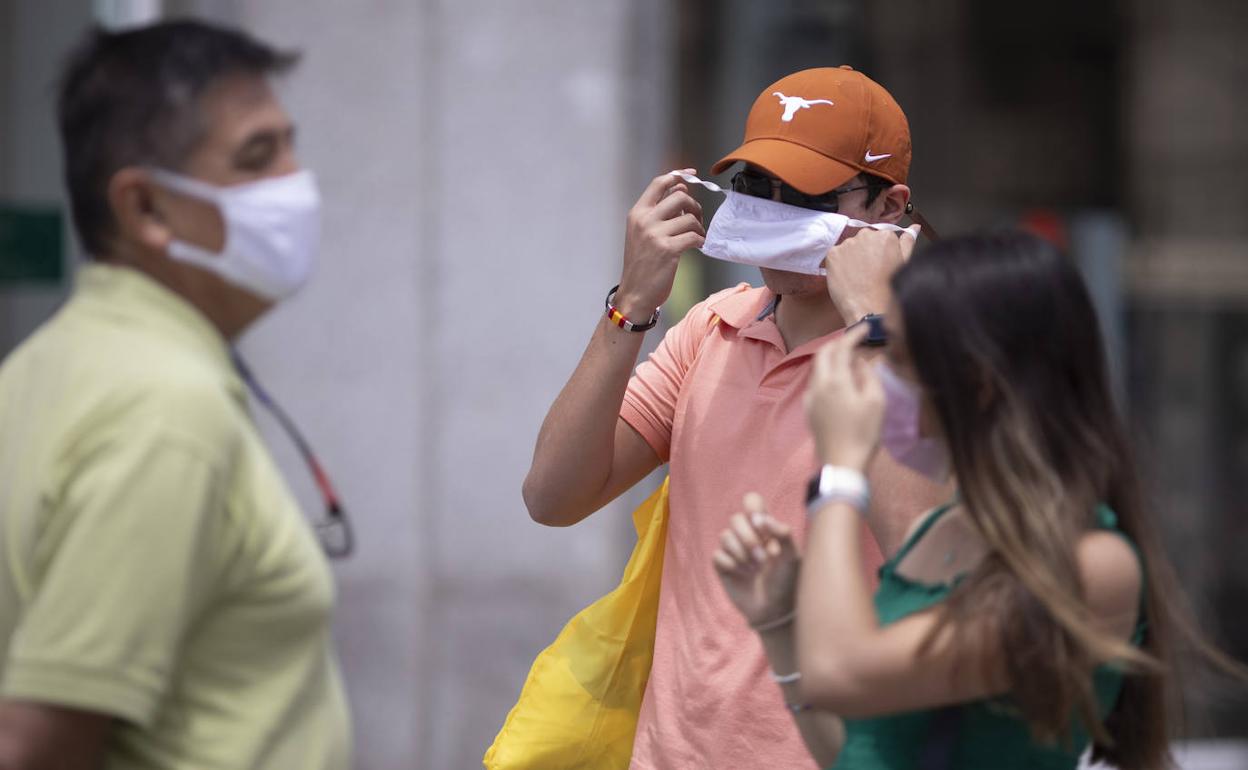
(758, 564)
(859, 269)
(664, 222)
(36, 736)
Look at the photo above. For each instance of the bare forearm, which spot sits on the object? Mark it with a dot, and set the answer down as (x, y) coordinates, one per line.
(576, 446)
(834, 600)
(822, 732)
(43, 737)
(579, 464)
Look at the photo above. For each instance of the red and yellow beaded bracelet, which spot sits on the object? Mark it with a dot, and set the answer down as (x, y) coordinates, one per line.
(621, 320)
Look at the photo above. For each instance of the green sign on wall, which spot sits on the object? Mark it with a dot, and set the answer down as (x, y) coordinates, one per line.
(31, 244)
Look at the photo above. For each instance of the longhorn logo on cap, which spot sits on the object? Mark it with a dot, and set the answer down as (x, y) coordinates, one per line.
(794, 103)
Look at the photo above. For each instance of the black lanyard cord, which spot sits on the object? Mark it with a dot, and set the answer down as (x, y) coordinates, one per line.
(336, 535)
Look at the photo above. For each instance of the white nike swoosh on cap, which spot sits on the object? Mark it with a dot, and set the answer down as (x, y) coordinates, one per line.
(873, 158)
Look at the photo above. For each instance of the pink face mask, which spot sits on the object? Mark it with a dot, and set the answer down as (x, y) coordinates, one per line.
(900, 435)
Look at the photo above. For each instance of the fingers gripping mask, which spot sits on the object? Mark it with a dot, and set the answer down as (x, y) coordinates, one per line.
(764, 233)
(272, 227)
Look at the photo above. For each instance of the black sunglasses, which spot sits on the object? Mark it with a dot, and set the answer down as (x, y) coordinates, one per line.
(762, 186)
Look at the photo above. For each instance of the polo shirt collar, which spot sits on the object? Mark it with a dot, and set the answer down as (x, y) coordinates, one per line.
(743, 308)
(752, 314)
(130, 296)
(749, 312)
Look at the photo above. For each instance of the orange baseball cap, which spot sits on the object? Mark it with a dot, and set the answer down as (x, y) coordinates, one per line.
(818, 128)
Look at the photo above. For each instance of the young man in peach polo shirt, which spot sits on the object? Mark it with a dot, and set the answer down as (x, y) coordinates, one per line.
(720, 402)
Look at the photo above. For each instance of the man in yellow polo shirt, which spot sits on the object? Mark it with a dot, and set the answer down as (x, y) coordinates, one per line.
(163, 603)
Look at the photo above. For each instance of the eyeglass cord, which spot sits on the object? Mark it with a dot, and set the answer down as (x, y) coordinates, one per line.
(335, 514)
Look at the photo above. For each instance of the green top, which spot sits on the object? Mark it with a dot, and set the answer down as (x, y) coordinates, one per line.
(990, 733)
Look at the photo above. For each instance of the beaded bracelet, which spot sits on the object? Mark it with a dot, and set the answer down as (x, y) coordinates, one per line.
(621, 320)
(772, 625)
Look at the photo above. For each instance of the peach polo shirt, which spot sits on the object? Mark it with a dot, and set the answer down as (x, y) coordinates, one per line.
(720, 401)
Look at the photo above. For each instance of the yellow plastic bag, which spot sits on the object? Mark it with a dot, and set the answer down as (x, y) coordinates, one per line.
(578, 708)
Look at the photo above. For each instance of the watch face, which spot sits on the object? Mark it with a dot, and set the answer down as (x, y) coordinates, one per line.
(876, 334)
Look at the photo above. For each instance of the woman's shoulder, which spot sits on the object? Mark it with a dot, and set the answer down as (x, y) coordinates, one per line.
(1112, 578)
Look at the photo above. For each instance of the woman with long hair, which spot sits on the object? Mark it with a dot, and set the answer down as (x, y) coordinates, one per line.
(1032, 615)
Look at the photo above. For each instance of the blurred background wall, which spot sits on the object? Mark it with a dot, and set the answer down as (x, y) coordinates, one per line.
(477, 159)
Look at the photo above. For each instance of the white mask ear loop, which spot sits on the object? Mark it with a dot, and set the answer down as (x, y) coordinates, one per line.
(912, 230)
(186, 185)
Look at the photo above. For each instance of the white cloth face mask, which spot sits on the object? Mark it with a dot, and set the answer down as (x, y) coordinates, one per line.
(766, 233)
(272, 228)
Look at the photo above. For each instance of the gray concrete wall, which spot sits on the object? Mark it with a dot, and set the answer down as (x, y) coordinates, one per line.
(6, 69)
(477, 159)
(33, 41)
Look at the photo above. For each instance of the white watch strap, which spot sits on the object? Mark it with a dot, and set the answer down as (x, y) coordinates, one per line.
(837, 484)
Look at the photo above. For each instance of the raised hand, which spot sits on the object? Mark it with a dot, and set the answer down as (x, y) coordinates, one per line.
(663, 224)
(859, 269)
(758, 564)
(845, 403)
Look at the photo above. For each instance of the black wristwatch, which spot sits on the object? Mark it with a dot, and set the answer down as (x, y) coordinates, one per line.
(876, 335)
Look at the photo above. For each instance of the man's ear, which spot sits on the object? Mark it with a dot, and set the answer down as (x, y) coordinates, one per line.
(137, 203)
(890, 204)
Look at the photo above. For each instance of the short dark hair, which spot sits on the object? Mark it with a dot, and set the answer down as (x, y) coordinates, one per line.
(131, 98)
(875, 185)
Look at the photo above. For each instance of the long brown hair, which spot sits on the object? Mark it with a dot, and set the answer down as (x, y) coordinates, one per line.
(1003, 336)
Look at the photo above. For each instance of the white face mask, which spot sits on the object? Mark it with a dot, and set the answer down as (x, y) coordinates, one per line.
(766, 233)
(272, 228)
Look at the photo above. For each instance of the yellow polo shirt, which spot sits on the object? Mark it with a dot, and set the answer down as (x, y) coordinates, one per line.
(153, 565)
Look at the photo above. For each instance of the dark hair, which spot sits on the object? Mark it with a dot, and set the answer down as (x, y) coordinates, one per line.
(875, 185)
(130, 98)
(1004, 337)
